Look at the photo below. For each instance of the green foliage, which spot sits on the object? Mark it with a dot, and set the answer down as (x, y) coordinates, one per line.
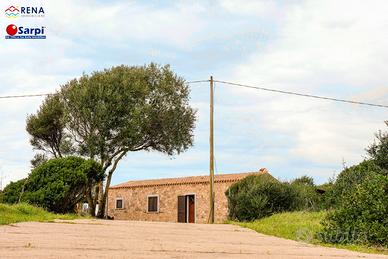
(361, 216)
(305, 194)
(259, 196)
(349, 178)
(112, 112)
(359, 197)
(304, 180)
(378, 151)
(327, 199)
(59, 184)
(47, 128)
(126, 109)
(38, 160)
(12, 191)
(25, 212)
(288, 224)
(301, 226)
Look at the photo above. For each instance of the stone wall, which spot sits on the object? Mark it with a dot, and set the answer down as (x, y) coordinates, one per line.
(135, 202)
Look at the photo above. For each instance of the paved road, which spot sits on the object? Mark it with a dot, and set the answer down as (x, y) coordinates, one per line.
(129, 239)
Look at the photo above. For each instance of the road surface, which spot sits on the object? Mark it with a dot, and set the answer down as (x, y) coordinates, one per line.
(133, 239)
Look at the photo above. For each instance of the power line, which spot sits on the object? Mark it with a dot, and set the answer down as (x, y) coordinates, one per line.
(38, 95)
(22, 96)
(303, 95)
(198, 81)
(241, 85)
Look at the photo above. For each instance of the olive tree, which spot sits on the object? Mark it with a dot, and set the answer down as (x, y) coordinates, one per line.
(47, 131)
(124, 109)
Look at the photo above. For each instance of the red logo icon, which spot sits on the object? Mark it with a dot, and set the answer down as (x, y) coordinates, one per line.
(12, 29)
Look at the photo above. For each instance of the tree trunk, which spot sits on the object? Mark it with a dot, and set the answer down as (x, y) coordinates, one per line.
(100, 197)
(91, 203)
(102, 208)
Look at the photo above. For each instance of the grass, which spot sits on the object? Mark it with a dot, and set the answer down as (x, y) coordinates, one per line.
(300, 226)
(25, 212)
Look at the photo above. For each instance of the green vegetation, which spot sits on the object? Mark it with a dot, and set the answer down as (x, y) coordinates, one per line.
(357, 201)
(287, 224)
(24, 212)
(301, 226)
(305, 195)
(259, 196)
(361, 207)
(56, 185)
(11, 193)
(108, 114)
(349, 178)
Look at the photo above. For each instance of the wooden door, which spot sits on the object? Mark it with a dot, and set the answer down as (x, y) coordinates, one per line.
(191, 208)
(182, 209)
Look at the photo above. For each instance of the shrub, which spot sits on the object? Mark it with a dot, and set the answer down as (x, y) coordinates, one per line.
(256, 197)
(305, 194)
(379, 149)
(349, 178)
(326, 198)
(361, 216)
(11, 192)
(304, 181)
(59, 184)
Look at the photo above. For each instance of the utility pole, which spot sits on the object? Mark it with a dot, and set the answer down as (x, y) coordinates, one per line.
(211, 140)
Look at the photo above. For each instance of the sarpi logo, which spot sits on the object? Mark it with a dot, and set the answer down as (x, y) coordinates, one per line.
(24, 11)
(15, 32)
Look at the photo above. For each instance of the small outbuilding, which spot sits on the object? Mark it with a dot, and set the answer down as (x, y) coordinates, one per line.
(184, 199)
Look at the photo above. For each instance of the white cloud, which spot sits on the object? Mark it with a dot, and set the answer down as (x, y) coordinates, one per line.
(327, 48)
(334, 48)
(250, 7)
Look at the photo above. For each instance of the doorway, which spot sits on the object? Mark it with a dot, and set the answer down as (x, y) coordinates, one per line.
(186, 208)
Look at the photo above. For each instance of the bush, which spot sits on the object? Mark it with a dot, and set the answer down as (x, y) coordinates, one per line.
(349, 178)
(11, 192)
(304, 181)
(361, 216)
(379, 149)
(259, 196)
(59, 184)
(306, 196)
(326, 201)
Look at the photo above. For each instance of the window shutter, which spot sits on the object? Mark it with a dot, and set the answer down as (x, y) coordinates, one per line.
(119, 204)
(153, 204)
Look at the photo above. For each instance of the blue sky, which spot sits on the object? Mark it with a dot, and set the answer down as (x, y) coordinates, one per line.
(333, 48)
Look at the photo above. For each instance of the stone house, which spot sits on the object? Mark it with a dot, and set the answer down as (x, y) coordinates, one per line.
(184, 199)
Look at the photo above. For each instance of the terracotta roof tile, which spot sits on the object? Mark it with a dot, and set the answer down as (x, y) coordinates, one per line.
(188, 180)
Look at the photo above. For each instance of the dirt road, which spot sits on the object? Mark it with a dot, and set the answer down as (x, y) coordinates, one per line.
(128, 239)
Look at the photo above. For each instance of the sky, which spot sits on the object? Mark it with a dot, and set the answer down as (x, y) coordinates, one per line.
(329, 48)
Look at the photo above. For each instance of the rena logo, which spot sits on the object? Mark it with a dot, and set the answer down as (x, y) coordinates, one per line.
(31, 10)
(15, 32)
(12, 12)
(24, 11)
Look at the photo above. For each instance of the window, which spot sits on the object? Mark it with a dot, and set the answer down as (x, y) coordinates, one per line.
(119, 204)
(153, 203)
